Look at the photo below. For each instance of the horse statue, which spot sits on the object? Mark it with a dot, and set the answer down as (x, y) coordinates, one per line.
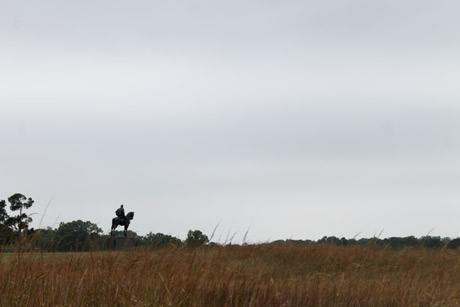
(116, 221)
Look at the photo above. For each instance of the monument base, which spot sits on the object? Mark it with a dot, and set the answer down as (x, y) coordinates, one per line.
(120, 243)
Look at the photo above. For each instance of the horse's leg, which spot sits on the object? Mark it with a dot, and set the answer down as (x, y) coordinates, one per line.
(126, 230)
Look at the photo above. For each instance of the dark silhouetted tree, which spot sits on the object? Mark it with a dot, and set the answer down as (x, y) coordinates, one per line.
(21, 221)
(76, 235)
(455, 243)
(3, 213)
(160, 240)
(5, 229)
(196, 237)
(44, 240)
(433, 242)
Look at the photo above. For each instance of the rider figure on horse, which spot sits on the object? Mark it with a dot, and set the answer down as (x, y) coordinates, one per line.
(121, 213)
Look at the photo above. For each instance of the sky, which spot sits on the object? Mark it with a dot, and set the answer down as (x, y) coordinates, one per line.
(261, 120)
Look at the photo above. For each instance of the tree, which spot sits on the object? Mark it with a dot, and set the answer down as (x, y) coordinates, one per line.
(455, 243)
(22, 220)
(76, 235)
(44, 240)
(160, 240)
(433, 242)
(3, 213)
(333, 240)
(12, 226)
(5, 229)
(196, 237)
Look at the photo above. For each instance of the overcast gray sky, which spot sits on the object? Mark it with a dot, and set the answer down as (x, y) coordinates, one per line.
(293, 119)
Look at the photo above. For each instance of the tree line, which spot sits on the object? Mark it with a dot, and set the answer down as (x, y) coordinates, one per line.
(85, 236)
(392, 242)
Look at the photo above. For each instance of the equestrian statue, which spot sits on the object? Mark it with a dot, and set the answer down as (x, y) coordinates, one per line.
(122, 220)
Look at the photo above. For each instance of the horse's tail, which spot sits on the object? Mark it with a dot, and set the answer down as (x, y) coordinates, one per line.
(114, 225)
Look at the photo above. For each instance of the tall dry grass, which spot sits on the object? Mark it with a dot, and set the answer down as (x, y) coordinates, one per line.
(259, 275)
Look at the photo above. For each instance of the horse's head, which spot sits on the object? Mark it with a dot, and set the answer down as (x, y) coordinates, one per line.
(130, 215)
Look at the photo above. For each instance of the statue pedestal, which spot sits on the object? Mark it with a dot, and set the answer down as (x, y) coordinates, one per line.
(120, 243)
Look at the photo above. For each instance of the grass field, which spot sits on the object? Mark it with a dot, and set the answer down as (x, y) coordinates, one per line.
(253, 275)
